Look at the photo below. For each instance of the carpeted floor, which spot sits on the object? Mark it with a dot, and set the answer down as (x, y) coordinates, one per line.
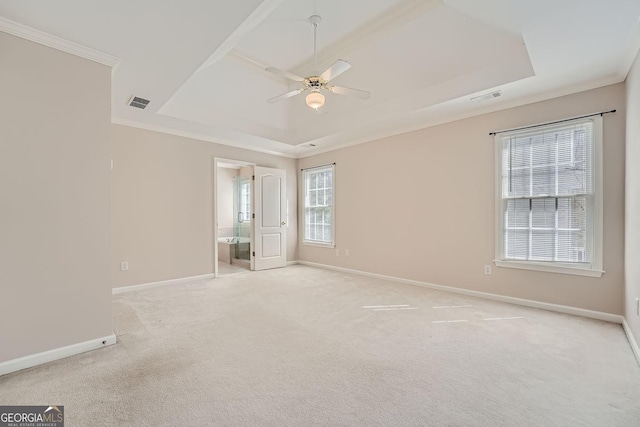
(225, 269)
(302, 346)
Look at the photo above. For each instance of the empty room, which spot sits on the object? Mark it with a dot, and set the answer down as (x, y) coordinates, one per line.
(320, 213)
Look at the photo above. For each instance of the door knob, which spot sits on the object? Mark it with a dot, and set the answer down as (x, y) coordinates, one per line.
(283, 223)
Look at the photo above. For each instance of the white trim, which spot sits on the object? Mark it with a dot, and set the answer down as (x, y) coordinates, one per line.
(598, 315)
(598, 183)
(422, 122)
(217, 162)
(554, 268)
(55, 354)
(331, 245)
(132, 288)
(290, 263)
(55, 42)
(214, 185)
(233, 162)
(595, 268)
(498, 244)
(198, 136)
(261, 13)
(303, 175)
(632, 341)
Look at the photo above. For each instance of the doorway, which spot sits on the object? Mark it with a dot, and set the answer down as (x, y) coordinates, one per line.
(233, 211)
(250, 219)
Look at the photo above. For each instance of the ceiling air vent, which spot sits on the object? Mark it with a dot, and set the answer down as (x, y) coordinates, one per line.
(487, 96)
(138, 102)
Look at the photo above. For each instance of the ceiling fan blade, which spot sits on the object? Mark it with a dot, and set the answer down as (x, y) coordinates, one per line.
(335, 70)
(285, 74)
(284, 96)
(357, 93)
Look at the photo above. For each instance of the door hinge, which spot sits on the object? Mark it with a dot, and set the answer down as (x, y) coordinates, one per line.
(253, 216)
(253, 177)
(253, 253)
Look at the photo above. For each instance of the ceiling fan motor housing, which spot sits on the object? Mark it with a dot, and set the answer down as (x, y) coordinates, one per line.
(315, 82)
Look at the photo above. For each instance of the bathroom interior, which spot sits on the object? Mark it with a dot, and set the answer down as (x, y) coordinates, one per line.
(234, 218)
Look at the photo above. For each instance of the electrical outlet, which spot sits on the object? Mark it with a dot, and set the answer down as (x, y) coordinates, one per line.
(337, 252)
(124, 266)
(346, 252)
(637, 306)
(487, 269)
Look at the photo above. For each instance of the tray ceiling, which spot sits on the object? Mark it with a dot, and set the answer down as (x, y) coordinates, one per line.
(202, 63)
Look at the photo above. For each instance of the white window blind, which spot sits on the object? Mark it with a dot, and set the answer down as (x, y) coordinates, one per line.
(547, 194)
(319, 205)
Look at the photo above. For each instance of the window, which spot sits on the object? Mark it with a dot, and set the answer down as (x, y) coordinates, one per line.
(319, 206)
(549, 201)
(244, 200)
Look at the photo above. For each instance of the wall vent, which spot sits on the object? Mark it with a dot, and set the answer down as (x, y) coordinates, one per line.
(138, 102)
(487, 96)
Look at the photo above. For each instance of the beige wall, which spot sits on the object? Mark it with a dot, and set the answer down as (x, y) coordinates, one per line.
(55, 146)
(420, 206)
(162, 204)
(54, 210)
(225, 197)
(632, 200)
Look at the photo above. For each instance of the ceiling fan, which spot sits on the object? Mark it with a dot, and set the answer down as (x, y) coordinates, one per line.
(316, 84)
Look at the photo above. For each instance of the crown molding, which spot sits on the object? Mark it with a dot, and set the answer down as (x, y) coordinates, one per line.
(198, 136)
(46, 39)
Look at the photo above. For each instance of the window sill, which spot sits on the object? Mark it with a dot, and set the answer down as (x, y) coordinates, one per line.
(318, 244)
(523, 265)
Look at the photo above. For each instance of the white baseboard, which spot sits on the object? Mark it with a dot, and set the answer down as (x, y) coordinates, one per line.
(632, 341)
(55, 354)
(607, 317)
(290, 263)
(132, 288)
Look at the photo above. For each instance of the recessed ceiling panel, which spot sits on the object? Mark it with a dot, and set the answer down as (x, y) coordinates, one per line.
(231, 88)
(437, 48)
(201, 63)
(285, 38)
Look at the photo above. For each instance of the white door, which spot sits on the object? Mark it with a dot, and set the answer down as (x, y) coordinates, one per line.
(270, 226)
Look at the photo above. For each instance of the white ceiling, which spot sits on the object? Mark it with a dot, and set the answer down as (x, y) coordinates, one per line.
(201, 62)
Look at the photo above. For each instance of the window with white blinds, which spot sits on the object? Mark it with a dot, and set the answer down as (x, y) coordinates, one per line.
(549, 198)
(319, 206)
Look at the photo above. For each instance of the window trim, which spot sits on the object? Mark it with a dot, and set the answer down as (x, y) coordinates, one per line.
(595, 268)
(317, 243)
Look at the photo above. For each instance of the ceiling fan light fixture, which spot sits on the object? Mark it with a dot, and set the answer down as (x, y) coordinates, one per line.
(315, 99)
(315, 83)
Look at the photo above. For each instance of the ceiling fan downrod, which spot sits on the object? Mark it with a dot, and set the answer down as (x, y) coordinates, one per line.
(319, 81)
(315, 20)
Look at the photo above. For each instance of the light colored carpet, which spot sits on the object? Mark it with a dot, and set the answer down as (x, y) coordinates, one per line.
(225, 269)
(302, 346)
